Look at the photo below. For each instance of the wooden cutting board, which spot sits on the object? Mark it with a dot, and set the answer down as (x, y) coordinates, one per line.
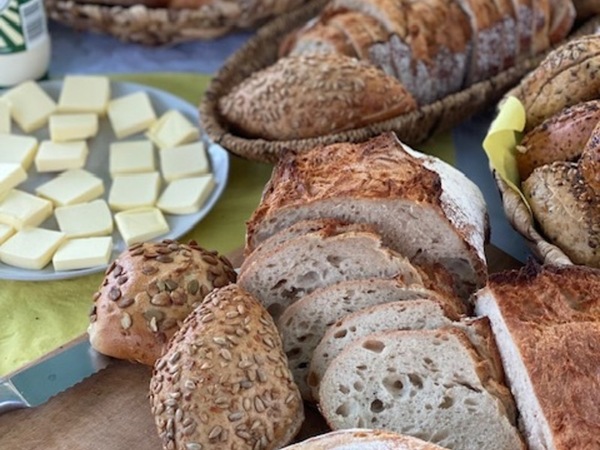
(111, 410)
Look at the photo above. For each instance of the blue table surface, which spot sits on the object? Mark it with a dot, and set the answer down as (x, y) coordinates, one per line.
(83, 52)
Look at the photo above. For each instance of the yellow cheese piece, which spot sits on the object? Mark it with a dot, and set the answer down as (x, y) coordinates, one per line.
(84, 93)
(131, 114)
(30, 105)
(186, 195)
(31, 248)
(141, 224)
(21, 209)
(5, 120)
(73, 127)
(134, 190)
(184, 161)
(172, 129)
(85, 219)
(131, 157)
(18, 149)
(59, 156)
(6, 231)
(83, 253)
(71, 187)
(11, 174)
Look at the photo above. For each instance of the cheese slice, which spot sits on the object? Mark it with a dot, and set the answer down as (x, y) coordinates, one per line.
(59, 156)
(71, 187)
(21, 209)
(184, 161)
(134, 190)
(5, 120)
(141, 224)
(31, 248)
(84, 93)
(11, 174)
(186, 195)
(73, 127)
(131, 114)
(83, 253)
(172, 129)
(18, 149)
(131, 157)
(85, 219)
(31, 106)
(6, 231)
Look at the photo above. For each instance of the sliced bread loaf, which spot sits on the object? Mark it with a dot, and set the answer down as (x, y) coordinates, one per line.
(300, 265)
(423, 208)
(430, 384)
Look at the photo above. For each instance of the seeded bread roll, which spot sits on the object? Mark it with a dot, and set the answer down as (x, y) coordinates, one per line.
(223, 382)
(312, 95)
(146, 294)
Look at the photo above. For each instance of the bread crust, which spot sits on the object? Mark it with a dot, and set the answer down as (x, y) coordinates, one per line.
(146, 294)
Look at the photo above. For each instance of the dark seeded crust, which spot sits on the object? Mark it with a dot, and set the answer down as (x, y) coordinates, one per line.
(280, 101)
(146, 294)
(224, 382)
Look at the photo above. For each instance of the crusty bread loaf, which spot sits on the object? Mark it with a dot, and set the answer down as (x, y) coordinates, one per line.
(550, 347)
(427, 383)
(589, 163)
(567, 210)
(304, 323)
(300, 265)
(281, 101)
(224, 382)
(383, 183)
(362, 439)
(147, 292)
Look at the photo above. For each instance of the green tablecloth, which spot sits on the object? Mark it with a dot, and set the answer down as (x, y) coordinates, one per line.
(38, 317)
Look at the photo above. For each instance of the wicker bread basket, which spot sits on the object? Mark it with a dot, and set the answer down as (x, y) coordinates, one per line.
(412, 128)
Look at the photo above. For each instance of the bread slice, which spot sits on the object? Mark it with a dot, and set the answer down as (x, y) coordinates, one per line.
(389, 13)
(550, 348)
(541, 26)
(361, 439)
(510, 32)
(524, 15)
(423, 208)
(428, 383)
(300, 265)
(303, 324)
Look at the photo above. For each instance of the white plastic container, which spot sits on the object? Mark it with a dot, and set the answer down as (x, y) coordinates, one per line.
(24, 41)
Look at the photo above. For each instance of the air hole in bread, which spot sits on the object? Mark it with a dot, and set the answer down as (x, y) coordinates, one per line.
(302, 365)
(308, 278)
(302, 338)
(344, 389)
(343, 410)
(447, 402)
(275, 309)
(377, 406)
(353, 329)
(393, 385)
(439, 436)
(293, 353)
(335, 261)
(340, 334)
(373, 345)
(361, 367)
(470, 401)
(415, 380)
(358, 386)
(360, 423)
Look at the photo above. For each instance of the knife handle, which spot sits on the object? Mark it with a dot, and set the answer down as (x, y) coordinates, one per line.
(10, 398)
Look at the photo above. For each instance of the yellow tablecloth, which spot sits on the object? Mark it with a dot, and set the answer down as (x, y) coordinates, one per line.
(38, 317)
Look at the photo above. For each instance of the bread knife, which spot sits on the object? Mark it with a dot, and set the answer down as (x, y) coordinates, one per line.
(35, 383)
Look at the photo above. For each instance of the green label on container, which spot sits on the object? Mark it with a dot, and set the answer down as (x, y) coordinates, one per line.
(22, 25)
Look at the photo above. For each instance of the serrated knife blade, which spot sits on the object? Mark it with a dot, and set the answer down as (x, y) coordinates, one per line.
(58, 371)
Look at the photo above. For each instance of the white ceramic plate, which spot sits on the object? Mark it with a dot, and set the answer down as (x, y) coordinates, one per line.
(97, 163)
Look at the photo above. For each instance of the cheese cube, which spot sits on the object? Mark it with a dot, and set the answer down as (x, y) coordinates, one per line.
(131, 114)
(18, 149)
(5, 120)
(58, 156)
(186, 195)
(84, 93)
(85, 219)
(71, 187)
(83, 253)
(141, 224)
(131, 157)
(73, 127)
(21, 209)
(6, 231)
(31, 248)
(11, 174)
(30, 105)
(172, 129)
(184, 161)
(134, 190)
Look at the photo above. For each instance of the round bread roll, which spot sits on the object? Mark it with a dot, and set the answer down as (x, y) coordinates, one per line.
(224, 381)
(146, 294)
